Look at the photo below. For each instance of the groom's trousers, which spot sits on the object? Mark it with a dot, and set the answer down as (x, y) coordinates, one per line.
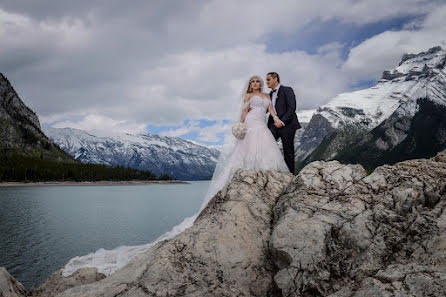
(286, 133)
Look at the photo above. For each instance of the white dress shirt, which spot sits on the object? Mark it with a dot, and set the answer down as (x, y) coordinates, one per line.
(274, 98)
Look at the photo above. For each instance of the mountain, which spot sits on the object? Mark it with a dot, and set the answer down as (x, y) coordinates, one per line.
(20, 131)
(401, 117)
(162, 155)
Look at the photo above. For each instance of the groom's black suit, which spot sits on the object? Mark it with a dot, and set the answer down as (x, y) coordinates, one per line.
(286, 111)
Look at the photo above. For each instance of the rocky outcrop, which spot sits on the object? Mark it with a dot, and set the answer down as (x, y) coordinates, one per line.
(312, 136)
(57, 283)
(19, 125)
(9, 287)
(20, 131)
(333, 230)
(340, 232)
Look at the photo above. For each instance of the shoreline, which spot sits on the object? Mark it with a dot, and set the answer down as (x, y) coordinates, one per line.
(91, 183)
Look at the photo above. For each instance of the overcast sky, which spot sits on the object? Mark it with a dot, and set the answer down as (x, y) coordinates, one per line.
(175, 67)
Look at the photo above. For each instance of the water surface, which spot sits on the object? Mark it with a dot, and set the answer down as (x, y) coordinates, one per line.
(43, 227)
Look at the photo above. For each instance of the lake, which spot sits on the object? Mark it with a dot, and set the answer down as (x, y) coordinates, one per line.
(43, 227)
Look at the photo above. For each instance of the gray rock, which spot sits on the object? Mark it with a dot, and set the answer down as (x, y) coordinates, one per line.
(339, 232)
(57, 283)
(391, 75)
(9, 287)
(20, 131)
(312, 136)
(19, 125)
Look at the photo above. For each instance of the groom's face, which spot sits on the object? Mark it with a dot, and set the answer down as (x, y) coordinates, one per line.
(271, 82)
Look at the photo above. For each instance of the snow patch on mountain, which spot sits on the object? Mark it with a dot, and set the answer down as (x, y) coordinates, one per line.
(417, 76)
(175, 156)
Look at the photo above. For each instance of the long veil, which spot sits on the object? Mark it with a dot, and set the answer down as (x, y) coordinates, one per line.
(222, 174)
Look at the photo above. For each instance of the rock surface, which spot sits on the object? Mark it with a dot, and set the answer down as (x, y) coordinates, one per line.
(9, 287)
(340, 232)
(20, 131)
(333, 230)
(57, 283)
(20, 127)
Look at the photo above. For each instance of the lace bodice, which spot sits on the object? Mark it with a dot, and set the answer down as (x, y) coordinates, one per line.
(256, 116)
(258, 102)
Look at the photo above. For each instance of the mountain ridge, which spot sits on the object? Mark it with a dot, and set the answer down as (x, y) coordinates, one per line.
(177, 157)
(355, 118)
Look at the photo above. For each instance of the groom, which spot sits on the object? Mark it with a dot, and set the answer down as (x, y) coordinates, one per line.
(284, 104)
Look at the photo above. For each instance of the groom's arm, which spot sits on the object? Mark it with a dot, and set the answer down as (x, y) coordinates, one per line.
(291, 105)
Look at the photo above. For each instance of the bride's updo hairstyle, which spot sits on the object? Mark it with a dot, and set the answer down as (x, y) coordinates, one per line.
(248, 88)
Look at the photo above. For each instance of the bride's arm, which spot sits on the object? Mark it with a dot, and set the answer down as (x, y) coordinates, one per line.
(271, 110)
(275, 117)
(245, 109)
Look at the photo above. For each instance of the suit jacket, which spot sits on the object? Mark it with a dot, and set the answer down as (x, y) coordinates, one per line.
(285, 108)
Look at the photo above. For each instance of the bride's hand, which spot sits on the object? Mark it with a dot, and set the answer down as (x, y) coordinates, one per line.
(278, 123)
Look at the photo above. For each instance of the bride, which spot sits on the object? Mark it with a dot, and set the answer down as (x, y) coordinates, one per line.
(258, 150)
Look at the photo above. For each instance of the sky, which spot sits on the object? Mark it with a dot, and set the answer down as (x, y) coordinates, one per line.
(177, 68)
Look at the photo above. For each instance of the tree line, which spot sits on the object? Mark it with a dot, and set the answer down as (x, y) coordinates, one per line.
(32, 169)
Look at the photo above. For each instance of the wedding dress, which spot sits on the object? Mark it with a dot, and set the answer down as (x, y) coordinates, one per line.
(257, 151)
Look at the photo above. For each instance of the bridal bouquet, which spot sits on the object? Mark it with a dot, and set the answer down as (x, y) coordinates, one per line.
(239, 130)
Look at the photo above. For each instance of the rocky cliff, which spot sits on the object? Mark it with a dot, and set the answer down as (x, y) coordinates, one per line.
(20, 130)
(333, 230)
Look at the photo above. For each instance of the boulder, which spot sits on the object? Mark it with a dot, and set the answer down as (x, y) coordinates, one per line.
(9, 287)
(341, 232)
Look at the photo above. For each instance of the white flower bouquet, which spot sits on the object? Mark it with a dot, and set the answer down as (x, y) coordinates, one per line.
(239, 130)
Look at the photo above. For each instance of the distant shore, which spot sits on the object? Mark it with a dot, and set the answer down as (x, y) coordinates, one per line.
(90, 183)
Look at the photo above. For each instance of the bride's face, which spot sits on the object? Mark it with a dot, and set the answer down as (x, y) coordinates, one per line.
(255, 84)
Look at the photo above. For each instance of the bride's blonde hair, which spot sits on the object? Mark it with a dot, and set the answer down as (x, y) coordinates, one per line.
(248, 88)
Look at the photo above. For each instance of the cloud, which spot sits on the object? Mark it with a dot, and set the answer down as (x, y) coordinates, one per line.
(383, 51)
(207, 84)
(210, 133)
(160, 63)
(102, 125)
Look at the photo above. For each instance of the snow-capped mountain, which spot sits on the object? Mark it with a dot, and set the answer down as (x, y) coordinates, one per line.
(175, 156)
(381, 118)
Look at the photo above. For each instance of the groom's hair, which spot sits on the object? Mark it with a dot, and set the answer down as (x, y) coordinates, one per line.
(274, 75)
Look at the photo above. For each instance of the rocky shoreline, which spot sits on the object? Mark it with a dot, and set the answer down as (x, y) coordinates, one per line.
(333, 230)
(91, 183)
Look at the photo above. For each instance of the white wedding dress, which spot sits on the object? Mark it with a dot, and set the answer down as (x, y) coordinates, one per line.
(257, 151)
